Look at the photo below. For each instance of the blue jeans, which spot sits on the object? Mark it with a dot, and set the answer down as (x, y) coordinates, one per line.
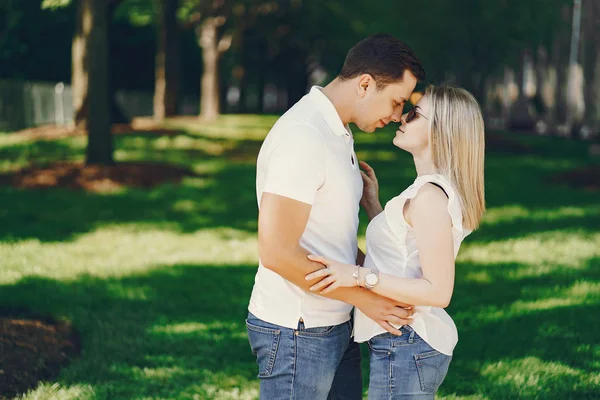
(305, 363)
(405, 367)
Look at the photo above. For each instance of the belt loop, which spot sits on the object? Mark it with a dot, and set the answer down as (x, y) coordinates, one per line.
(411, 337)
(301, 324)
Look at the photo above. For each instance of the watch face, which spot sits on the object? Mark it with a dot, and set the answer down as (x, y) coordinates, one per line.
(371, 279)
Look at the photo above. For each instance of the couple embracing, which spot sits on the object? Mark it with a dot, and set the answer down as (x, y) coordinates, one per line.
(316, 294)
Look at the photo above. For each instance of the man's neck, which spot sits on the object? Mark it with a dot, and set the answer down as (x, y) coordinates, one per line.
(339, 93)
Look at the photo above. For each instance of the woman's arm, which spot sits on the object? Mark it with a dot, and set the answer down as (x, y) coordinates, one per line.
(427, 213)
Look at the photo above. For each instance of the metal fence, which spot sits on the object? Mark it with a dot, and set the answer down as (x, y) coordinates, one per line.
(25, 104)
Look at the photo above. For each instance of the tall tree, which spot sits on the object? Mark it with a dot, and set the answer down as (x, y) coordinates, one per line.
(167, 59)
(591, 64)
(208, 19)
(90, 78)
(217, 25)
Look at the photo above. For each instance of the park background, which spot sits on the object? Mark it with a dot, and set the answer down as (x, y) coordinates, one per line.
(129, 131)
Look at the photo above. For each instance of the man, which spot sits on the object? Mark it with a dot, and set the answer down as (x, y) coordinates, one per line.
(308, 187)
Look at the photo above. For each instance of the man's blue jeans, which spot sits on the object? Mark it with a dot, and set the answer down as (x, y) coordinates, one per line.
(305, 364)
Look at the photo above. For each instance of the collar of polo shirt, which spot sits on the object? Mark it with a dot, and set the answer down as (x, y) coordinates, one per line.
(326, 107)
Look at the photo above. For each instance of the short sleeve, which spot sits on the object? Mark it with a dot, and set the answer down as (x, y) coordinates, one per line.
(296, 163)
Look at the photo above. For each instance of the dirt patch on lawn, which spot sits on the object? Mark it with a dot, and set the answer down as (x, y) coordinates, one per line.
(95, 178)
(33, 349)
(54, 132)
(587, 178)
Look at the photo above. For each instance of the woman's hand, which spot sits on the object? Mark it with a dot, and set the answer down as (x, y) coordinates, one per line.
(336, 275)
(370, 198)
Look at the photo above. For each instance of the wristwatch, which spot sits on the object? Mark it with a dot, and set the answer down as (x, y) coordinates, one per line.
(372, 279)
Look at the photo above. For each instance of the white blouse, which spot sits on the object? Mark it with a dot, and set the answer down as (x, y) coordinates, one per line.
(392, 249)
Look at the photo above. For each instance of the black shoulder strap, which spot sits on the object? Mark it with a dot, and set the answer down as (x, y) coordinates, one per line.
(433, 183)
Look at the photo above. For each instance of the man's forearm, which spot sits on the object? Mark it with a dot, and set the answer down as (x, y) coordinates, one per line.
(373, 209)
(293, 266)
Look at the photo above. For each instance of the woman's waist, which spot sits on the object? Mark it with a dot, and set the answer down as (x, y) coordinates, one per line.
(432, 324)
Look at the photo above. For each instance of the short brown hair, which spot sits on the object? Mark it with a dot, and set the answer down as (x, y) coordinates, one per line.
(383, 57)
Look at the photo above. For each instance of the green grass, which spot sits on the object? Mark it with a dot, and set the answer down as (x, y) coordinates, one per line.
(157, 281)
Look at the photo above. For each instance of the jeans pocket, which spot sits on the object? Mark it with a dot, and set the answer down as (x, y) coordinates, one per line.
(264, 343)
(318, 331)
(379, 346)
(432, 368)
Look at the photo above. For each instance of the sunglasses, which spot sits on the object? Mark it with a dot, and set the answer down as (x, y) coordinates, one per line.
(412, 114)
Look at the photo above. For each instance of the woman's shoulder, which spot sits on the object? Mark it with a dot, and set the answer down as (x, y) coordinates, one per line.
(432, 194)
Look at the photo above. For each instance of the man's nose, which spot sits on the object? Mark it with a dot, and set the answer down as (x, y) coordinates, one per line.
(396, 116)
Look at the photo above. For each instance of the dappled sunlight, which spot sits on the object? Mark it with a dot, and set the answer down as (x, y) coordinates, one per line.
(249, 391)
(157, 281)
(578, 294)
(61, 391)
(17, 156)
(532, 376)
(535, 163)
(455, 397)
(158, 373)
(67, 213)
(118, 290)
(161, 332)
(504, 214)
(214, 330)
(541, 253)
(240, 127)
(174, 143)
(107, 251)
(379, 155)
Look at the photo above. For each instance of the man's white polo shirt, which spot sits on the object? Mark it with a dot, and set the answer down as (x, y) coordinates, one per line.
(309, 156)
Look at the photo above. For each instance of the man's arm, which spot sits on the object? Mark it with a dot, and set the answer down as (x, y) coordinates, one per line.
(281, 223)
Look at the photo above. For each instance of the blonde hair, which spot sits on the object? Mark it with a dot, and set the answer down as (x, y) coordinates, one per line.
(458, 146)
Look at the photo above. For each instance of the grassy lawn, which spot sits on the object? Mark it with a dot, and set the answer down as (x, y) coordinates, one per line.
(157, 281)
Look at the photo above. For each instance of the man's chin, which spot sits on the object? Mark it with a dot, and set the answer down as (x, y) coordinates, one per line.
(369, 129)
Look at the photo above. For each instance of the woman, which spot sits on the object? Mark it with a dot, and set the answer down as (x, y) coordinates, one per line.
(413, 242)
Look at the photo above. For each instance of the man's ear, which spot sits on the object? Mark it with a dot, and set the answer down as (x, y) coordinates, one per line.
(364, 81)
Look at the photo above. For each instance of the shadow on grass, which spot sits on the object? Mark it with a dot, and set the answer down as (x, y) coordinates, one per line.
(179, 331)
(527, 338)
(224, 198)
(224, 195)
(164, 333)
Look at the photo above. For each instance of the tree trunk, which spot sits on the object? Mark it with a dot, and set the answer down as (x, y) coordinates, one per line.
(117, 115)
(94, 35)
(243, 82)
(297, 76)
(79, 67)
(508, 79)
(241, 73)
(207, 34)
(591, 66)
(560, 60)
(542, 77)
(261, 74)
(167, 60)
